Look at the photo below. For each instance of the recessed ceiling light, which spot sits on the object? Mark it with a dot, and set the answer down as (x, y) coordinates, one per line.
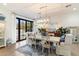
(74, 9)
(5, 4)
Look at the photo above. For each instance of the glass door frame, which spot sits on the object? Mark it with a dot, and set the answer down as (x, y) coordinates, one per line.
(19, 22)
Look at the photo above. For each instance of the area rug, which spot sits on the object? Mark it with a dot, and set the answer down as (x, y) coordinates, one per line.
(26, 50)
(29, 51)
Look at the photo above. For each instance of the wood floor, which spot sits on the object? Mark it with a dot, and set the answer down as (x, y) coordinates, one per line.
(11, 50)
(75, 49)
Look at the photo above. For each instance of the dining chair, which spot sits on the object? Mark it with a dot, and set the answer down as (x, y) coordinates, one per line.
(45, 45)
(65, 47)
(30, 38)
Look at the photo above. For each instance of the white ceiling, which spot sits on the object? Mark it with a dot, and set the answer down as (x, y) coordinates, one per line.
(32, 10)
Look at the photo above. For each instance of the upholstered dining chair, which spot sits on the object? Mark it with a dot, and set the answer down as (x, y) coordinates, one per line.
(30, 38)
(64, 48)
(46, 45)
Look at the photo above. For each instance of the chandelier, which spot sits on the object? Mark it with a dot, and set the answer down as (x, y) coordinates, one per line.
(43, 22)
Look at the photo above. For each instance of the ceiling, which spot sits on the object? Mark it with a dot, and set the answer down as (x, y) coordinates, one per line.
(34, 10)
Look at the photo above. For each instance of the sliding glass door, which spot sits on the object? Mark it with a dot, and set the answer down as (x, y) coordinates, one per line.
(23, 26)
(22, 30)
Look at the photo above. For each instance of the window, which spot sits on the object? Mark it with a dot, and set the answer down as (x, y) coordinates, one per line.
(29, 26)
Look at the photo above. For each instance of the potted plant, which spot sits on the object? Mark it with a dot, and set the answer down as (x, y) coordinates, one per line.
(62, 31)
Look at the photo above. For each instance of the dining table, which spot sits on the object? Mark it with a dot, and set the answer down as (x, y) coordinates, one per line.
(53, 39)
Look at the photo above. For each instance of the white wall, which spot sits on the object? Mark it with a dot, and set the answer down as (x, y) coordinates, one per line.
(71, 19)
(10, 24)
(66, 20)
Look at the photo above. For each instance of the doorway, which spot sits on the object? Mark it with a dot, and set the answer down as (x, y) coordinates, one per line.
(23, 26)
